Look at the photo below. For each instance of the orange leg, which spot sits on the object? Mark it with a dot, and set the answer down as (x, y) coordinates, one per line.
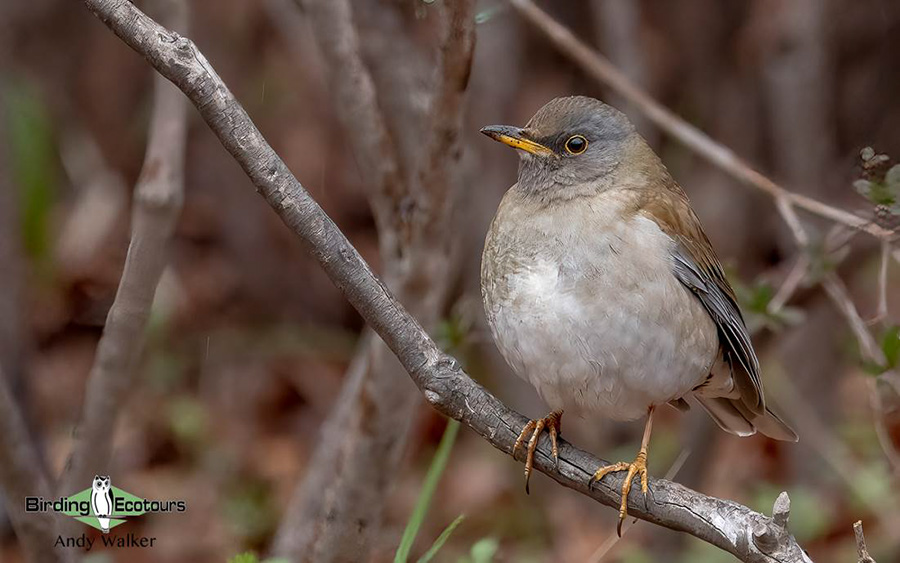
(638, 466)
(532, 432)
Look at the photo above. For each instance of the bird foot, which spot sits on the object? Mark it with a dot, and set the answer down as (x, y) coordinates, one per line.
(638, 466)
(532, 432)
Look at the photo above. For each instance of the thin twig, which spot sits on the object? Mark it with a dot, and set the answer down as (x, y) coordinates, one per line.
(749, 535)
(597, 66)
(839, 294)
(881, 431)
(872, 353)
(790, 284)
(881, 313)
(787, 212)
(157, 204)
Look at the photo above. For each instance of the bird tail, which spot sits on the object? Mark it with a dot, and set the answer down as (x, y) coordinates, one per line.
(734, 417)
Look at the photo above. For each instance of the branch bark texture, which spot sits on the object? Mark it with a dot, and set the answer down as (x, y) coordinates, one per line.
(157, 204)
(749, 535)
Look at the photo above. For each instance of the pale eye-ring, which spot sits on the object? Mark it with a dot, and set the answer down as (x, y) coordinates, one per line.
(576, 144)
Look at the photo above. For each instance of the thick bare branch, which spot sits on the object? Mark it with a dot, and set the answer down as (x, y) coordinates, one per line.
(601, 69)
(157, 204)
(747, 534)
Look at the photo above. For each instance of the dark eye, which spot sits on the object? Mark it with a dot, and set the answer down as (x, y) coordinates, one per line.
(576, 144)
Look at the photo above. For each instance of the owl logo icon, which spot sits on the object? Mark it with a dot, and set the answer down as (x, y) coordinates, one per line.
(101, 500)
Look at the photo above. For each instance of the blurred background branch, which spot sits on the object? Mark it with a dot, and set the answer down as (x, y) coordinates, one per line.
(22, 475)
(336, 510)
(158, 197)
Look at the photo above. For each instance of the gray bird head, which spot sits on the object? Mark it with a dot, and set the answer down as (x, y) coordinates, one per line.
(568, 147)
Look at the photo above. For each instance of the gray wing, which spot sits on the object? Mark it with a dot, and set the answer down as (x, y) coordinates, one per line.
(707, 281)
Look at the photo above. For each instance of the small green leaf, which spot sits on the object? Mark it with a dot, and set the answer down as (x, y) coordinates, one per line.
(484, 550)
(441, 540)
(246, 557)
(880, 194)
(890, 346)
(33, 160)
(872, 368)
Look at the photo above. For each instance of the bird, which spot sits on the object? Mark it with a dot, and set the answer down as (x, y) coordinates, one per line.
(602, 290)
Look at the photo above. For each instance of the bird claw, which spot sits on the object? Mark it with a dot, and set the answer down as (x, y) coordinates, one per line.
(532, 431)
(638, 466)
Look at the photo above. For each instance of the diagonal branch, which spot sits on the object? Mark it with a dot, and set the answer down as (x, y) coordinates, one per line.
(750, 536)
(157, 205)
(597, 66)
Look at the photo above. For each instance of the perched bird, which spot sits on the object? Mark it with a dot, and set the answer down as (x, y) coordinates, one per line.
(602, 290)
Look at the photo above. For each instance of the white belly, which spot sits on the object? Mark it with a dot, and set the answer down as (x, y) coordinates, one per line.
(594, 319)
